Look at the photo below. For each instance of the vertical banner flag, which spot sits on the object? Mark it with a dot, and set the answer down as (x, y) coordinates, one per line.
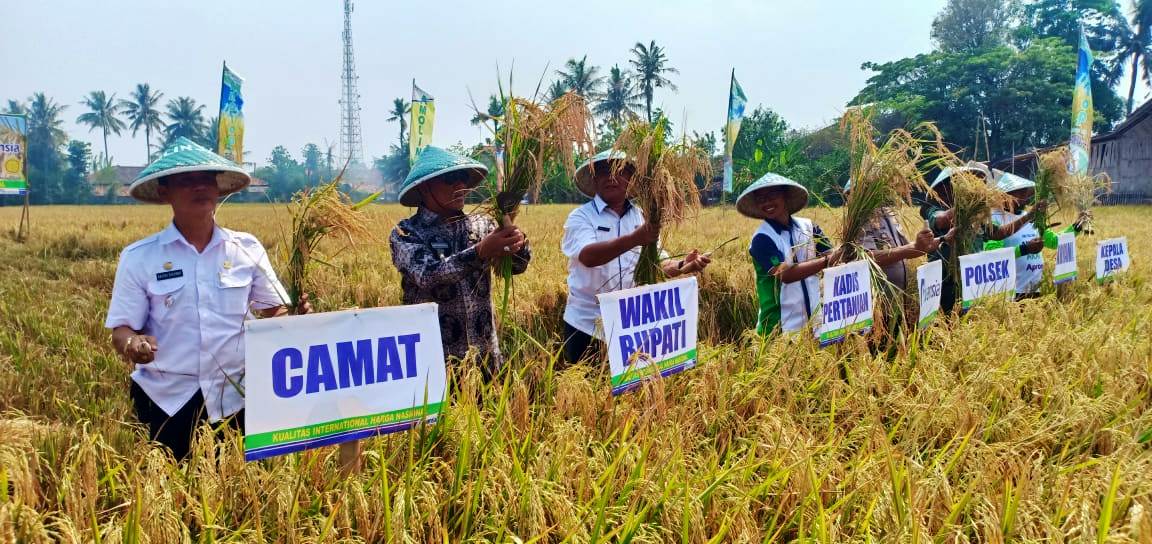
(650, 331)
(1111, 258)
(320, 379)
(1065, 258)
(847, 306)
(420, 125)
(230, 138)
(1081, 143)
(736, 103)
(929, 279)
(988, 275)
(13, 154)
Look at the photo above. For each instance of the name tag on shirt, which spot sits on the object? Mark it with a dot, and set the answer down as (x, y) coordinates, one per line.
(603, 229)
(161, 276)
(441, 248)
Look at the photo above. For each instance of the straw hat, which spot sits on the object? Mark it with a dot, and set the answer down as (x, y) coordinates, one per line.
(1011, 182)
(947, 172)
(797, 195)
(185, 156)
(432, 162)
(585, 174)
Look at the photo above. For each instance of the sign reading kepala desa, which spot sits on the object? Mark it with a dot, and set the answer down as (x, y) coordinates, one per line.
(320, 379)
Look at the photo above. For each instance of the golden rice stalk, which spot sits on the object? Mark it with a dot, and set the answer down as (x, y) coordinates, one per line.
(664, 184)
(1068, 190)
(317, 214)
(882, 175)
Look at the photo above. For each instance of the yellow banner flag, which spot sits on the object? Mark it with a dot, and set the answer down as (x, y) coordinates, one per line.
(420, 126)
(230, 138)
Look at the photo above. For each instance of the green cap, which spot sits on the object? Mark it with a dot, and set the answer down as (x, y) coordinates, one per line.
(586, 173)
(797, 195)
(181, 157)
(432, 162)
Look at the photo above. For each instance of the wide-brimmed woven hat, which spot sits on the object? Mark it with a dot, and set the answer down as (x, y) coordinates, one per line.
(1011, 182)
(797, 195)
(947, 172)
(586, 173)
(185, 156)
(432, 162)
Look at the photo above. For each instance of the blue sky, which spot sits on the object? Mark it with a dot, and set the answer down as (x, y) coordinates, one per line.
(800, 58)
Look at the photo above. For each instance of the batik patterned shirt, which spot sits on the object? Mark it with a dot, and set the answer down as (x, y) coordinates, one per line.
(438, 262)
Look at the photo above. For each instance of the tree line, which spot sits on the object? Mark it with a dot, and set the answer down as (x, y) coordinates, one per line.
(998, 81)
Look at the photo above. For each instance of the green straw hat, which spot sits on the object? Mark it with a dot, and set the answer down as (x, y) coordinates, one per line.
(185, 156)
(797, 195)
(585, 174)
(1011, 182)
(432, 162)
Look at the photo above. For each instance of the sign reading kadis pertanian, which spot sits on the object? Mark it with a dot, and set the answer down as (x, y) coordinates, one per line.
(320, 379)
(988, 275)
(1112, 258)
(929, 281)
(846, 302)
(650, 331)
(1065, 270)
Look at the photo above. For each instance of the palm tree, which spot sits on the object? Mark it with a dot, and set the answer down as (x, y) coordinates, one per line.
(143, 113)
(650, 66)
(619, 98)
(557, 89)
(44, 120)
(581, 78)
(400, 109)
(1136, 46)
(494, 113)
(16, 107)
(102, 114)
(185, 118)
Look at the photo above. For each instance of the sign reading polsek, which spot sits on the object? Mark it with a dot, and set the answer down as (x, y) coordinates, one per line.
(988, 274)
(847, 302)
(320, 379)
(650, 330)
(1065, 270)
(1111, 258)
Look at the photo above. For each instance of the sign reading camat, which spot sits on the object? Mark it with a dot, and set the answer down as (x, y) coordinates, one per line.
(652, 325)
(321, 379)
(988, 274)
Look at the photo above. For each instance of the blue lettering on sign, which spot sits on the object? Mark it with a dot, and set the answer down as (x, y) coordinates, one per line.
(655, 342)
(10, 148)
(651, 307)
(1064, 253)
(986, 273)
(356, 365)
(847, 283)
(1113, 264)
(1115, 249)
(928, 291)
(840, 309)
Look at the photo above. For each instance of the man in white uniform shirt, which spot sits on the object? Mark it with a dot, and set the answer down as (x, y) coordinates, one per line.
(602, 240)
(181, 297)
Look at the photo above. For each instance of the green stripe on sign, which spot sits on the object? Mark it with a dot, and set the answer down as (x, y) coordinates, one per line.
(632, 375)
(320, 430)
(13, 184)
(846, 330)
(1066, 276)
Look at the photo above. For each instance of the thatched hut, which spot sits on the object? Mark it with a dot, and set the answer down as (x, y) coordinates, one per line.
(1125, 154)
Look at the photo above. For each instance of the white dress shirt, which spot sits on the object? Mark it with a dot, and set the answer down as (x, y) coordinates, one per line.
(596, 222)
(195, 305)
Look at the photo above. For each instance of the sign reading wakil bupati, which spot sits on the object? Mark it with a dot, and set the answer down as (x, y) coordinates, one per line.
(988, 274)
(1065, 270)
(1111, 258)
(847, 302)
(650, 331)
(320, 379)
(929, 279)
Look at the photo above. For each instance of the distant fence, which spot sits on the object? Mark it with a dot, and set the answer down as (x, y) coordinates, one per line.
(1110, 199)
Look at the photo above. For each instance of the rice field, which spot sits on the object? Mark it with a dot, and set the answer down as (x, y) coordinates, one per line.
(1025, 422)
